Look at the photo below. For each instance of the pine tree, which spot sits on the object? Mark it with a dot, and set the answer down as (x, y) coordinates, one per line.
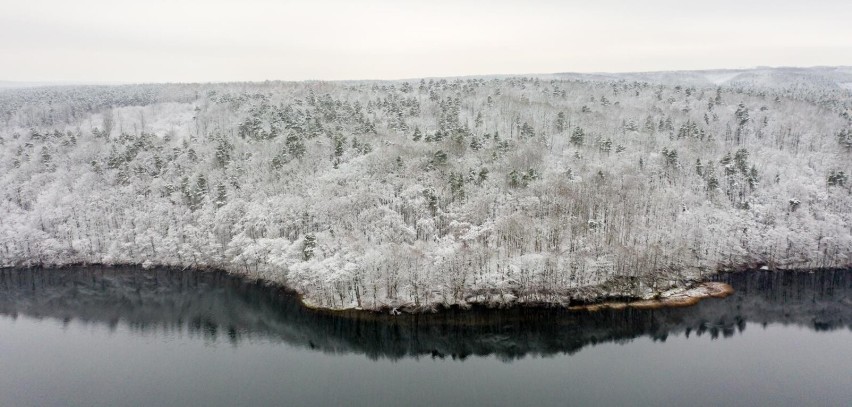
(560, 122)
(439, 158)
(577, 136)
(844, 138)
(837, 178)
(309, 245)
(670, 157)
(339, 146)
(527, 131)
(431, 201)
(483, 175)
(712, 181)
(741, 160)
(742, 115)
(221, 195)
(456, 186)
(222, 153)
(752, 178)
(605, 145)
(295, 146)
(514, 179)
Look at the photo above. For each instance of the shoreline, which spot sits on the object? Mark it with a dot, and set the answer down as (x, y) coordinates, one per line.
(677, 297)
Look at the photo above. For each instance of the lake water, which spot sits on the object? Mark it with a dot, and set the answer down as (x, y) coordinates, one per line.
(126, 336)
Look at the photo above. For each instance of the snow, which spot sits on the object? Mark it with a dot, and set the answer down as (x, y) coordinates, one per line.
(320, 186)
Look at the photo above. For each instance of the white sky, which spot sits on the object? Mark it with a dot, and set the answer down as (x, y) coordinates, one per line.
(216, 40)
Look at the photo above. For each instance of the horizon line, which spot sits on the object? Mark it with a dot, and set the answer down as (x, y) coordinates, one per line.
(25, 84)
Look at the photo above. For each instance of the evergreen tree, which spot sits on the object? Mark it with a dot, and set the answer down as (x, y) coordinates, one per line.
(742, 115)
(456, 186)
(339, 147)
(837, 178)
(741, 160)
(295, 146)
(483, 175)
(560, 122)
(221, 195)
(309, 245)
(439, 158)
(514, 179)
(577, 136)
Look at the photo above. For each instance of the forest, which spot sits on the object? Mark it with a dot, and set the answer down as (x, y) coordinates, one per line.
(419, 194)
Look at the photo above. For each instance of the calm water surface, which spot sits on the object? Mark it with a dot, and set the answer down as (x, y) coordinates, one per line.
(124, 336)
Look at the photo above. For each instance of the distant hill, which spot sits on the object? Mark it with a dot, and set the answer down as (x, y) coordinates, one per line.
(41, 84)
(825, 77)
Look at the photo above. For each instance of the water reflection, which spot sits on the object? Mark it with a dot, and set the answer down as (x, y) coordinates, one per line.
(213, 305)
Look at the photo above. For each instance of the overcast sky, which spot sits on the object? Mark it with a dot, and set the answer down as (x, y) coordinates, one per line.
(210, 40)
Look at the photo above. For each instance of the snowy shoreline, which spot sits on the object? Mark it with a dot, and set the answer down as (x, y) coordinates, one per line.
(676, 297)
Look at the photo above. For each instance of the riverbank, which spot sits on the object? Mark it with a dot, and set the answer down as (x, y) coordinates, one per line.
(671, 298)
(589, 299)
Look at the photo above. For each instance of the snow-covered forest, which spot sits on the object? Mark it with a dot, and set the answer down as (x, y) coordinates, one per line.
(420, 193)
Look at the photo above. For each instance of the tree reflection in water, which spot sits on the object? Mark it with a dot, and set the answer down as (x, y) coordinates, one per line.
(213, 304)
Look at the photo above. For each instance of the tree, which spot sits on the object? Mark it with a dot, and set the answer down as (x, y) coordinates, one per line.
(741, 161)
(560, 122)
(483, 175)
(107, 123)
(514, 179)
(670, 157)
(712, 181)
(221, 195)
(844, 138)
(439, 158)
(527, 131)
(223, 153)
(742, 115)
(837, 178)
(456, 186)
(339, 148)
(605, 145)
(577, 136)
(295, 146)
(309, 245)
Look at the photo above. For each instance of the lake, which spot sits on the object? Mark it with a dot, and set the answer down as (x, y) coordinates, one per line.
(128, 336)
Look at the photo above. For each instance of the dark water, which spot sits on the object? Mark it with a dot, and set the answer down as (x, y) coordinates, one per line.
(167, 338)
